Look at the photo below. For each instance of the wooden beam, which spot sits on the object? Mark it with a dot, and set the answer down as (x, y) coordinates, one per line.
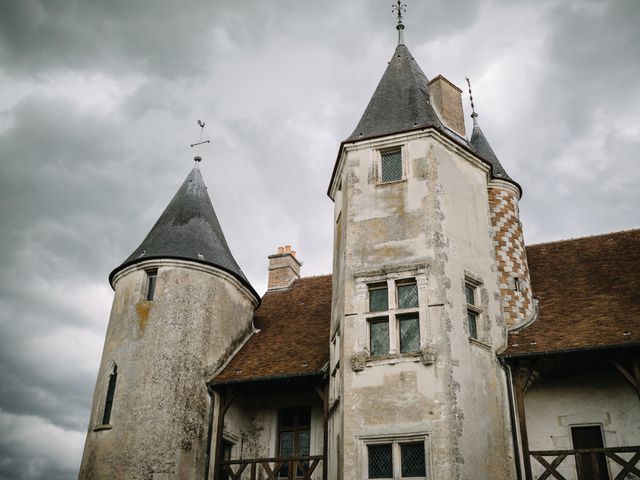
(220, 425)
(632, 378)
(521, 379)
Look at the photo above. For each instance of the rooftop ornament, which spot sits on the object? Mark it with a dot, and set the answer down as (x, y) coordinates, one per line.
(398, 9)
(474, 115)
(198, 158)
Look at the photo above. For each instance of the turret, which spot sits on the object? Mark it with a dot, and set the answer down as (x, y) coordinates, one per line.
(518, 305)
(416, 317)
(181, 305)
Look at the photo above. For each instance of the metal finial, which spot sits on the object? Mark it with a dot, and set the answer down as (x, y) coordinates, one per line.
(398, 8)
(474, 115)
(198, 158)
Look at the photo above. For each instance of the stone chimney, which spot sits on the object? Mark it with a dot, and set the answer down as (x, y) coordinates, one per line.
(284, 268)
(447, 98)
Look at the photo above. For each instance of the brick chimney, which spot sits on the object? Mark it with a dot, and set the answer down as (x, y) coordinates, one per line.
(284, 268)
(447, 98)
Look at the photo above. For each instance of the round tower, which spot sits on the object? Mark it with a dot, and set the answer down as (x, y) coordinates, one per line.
(508, 239)
(181, 305)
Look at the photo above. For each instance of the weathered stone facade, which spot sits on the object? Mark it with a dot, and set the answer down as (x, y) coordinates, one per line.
(163, 350)
(433, 226)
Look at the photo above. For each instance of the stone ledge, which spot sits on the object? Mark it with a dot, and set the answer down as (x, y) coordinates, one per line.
(99, 428)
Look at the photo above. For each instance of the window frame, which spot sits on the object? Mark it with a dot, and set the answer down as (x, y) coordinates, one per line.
(396, 440)
(388, 151)
(151, 284)
(394, 314)
(474, 308)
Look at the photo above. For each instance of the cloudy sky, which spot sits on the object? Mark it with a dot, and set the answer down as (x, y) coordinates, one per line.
(99, 103)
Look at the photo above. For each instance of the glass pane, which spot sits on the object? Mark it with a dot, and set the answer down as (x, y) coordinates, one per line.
(470, 294)
(407, 296)
(378, 300)
(379, 331)
(409, 334)
(286, 444)
(151, 287)
(304, 439)
(380, 464)
(412, 459)
(391, 166)
(473, 324)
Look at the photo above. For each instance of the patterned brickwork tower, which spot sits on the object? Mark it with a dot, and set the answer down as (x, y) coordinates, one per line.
(511, 256)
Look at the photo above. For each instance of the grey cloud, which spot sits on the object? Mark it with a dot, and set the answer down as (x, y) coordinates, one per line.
(279, 84)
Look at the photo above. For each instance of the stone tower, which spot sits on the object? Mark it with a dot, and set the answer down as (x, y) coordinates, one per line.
(150, 414)
(416, 388)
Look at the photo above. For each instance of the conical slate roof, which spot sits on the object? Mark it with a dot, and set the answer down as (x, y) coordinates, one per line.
(400, 102)
(481, 146)
(188, 229)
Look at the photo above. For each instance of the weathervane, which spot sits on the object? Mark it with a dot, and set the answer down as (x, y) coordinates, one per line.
(198, 158)
(398, 9)
(474, 115)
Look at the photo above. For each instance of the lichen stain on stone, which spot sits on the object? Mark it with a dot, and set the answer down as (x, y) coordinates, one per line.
(142, 311)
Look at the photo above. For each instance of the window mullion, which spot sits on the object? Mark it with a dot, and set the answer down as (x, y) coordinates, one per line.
(393, 327)
(396, 460)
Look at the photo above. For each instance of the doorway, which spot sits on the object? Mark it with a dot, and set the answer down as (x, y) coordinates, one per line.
(589, 466)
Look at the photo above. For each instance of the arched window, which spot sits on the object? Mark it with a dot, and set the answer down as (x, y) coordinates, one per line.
(106, 417)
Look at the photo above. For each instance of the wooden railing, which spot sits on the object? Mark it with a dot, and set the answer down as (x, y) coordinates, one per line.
(592, 457)
(290, 468)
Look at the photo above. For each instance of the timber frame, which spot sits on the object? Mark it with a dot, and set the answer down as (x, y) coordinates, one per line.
(227, 393)
(524, 370)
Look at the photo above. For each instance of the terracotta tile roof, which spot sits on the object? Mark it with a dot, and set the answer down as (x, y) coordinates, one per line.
(294, 334)
(588, 291)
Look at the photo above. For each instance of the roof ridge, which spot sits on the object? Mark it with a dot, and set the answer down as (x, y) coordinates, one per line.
(573, 239)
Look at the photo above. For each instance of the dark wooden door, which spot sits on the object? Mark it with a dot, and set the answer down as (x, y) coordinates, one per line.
(589, 466)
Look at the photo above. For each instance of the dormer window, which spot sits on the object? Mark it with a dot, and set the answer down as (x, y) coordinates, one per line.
(391, 165)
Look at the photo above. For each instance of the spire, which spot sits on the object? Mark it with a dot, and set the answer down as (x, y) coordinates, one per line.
(481, 145)
(400, 102)
(398, 9)
(188, 229)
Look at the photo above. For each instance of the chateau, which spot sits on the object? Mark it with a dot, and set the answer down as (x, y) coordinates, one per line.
(441, 347)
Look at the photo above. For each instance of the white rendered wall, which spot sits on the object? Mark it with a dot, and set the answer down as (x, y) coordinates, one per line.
(552, 407)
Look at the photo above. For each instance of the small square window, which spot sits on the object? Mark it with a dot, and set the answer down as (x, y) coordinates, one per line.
(380, 461)
(409, 333)
(412, 459)
(391, 165)
(379, 336)
(407, 295)
(378, 298)
(152, 277)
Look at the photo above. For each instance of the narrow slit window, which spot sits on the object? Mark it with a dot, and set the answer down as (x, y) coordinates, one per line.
(111, 390)
(391, 165)
(473, 310)
(152, 277)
